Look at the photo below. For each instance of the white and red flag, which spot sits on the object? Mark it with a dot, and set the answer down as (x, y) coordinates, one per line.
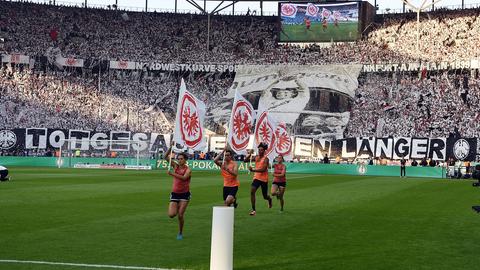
(265, 128)
(241, 124)
(337, 15)
(326, 13)
(312, 10)
(288, 10)
(189, 120)
(284, 143)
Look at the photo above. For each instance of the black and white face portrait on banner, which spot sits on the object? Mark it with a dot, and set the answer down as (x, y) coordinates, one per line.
(313, 101)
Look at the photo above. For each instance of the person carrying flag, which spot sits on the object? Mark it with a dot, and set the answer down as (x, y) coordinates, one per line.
(189, 133)
(260, 176)
(229, 170)
(180, 195)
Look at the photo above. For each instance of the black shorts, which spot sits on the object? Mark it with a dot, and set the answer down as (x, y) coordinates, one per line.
(177, 197)
(257, 183)
(264, 185)
(280, 184)
(229, 191)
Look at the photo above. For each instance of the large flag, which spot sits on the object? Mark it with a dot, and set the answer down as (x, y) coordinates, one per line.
(240, 125)
(189, 120)
(284, 143)
(265, 128)
(312, 10)
(288, 10)
(326, 13)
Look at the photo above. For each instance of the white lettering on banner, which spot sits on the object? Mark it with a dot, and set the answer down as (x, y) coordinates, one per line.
(79, 137)
(321, 147)
(365, 147)
(437, 149)
(99, 141)
(35, 138)
(43, 138)
(429, 66)
(383, 150)
(303, 147)
(56, 138)
(120, 136)
(142, 139)
(179, 67)
(217, 143)
(401, 148)
(344, 150)
(419, 148)
(163, 142)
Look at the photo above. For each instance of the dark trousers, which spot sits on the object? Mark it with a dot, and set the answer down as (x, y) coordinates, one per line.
(402, 171)
(3, 175)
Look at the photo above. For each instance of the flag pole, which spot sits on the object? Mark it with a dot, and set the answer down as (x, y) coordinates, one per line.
(170, 157)
(225, 148)
(174, 128)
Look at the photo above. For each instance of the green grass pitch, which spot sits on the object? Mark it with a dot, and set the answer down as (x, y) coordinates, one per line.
(298, 33)
(119, 217)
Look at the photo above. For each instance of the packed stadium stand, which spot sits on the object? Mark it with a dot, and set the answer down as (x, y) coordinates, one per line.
(43, 94)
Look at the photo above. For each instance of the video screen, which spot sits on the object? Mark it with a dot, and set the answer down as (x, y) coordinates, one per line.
(318, 22)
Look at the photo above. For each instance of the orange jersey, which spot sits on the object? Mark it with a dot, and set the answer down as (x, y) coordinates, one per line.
(228, 179)
(279, 169)
(179, 185)
(259, 163)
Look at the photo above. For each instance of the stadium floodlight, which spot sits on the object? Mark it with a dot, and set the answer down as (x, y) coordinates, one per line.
(419, 9)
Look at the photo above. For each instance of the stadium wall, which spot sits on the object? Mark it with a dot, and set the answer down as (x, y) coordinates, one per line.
(327, 169)
(208, 165)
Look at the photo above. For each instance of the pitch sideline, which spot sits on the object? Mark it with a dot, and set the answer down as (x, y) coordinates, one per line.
(85, 265)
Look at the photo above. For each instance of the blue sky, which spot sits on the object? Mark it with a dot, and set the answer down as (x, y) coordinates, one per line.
(268, 7)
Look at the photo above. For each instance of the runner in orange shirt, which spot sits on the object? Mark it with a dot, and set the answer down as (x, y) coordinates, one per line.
(229, 170)
(279, 181)
(180, 196)
(324, 24)
(260, 176)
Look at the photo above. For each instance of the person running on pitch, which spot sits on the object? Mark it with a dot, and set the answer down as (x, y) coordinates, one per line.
(279, 181)
(180, 196)
(229, 169)
(260, 176)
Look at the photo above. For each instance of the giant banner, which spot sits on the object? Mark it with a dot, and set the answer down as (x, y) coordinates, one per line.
(15, 141)
(311, 100)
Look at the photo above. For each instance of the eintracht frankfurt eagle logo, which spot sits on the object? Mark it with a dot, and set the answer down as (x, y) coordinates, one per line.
(264, 132)
(7, 139)
(461, 148)
(284, 142)
(242, 125)
(190, 121)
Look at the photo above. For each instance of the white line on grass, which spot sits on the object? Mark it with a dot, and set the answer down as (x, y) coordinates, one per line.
(85, 265)
(307, 176)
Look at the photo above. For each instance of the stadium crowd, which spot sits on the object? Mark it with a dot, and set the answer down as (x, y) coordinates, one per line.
(115, 101)
(32, 29)
(436, 105)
